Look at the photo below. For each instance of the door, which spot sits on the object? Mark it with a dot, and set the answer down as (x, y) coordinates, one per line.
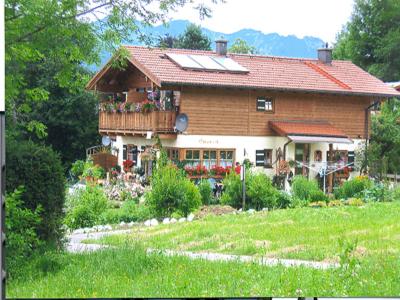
(302, 154)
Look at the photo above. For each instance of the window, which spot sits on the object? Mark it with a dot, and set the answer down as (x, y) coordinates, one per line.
(209, 158)
(192, 157)
(264, 158)
(172, 153)
(265, 104)
(226, 158)
(130, 152)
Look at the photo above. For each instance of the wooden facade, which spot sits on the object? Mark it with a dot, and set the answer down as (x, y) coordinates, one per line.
(234, 112)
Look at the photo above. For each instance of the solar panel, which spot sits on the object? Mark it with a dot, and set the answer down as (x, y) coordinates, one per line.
(207, 62)
(230, 64)
(184, 61)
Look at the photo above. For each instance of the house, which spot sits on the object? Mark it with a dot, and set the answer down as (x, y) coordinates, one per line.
(265, 109)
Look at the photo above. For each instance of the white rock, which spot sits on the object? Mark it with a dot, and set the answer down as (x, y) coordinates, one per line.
(147, 223)
(240, 210)
(181, 220)
(166, 221)
(153, 222)
(251, 211)
(172, 221)
(108, 227)
(265, 209)
(130, 224)
(122, 223)
(78, 231)
(190, 217)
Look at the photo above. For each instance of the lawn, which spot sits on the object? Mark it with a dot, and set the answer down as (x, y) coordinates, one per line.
(305, 233)
(129, 272)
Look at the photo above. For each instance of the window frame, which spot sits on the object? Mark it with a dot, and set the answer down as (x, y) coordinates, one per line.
(218, 155)
(265, 99)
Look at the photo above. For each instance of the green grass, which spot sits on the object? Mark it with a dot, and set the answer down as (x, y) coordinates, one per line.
(304, 233)
(129, 272)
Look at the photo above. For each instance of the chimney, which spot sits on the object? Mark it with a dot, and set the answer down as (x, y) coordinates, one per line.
(325, 55)
(221, 46)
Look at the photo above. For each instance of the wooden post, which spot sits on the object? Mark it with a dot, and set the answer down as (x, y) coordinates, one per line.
(330, 176)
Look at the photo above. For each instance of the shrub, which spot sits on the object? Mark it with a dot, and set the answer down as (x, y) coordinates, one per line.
(377, 192)
(353, 187)
(354, 202)
(77, 168)
(129, 212)
(317, 204)
(39, 170)
(205, 192)
(232, 194)
(172, 191)
(260, 192)
(92, 171)
(283, 200)
(306, 190)
(395, 194)
(21, 225)
(85, 207)
(335, 203)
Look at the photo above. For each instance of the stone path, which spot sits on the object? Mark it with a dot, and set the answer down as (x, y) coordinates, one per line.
(75, 245)
(245, 258)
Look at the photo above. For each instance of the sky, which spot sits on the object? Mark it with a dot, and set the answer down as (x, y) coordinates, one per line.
(318, 18)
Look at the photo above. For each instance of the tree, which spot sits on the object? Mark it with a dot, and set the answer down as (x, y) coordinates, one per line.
(240, 46)
(384, 147)
(64, 32)
(371, 39)
(193, 38)
(166, 41)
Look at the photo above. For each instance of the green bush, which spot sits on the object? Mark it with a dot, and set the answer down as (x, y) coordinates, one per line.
(77, 168)
(283, 200)
(305, 191)
(395, 194)
(39, 170)
(21, 225)
(205, 192)
(172, 192)
(129, 212)
(84, 207)
(93, 171)
(260, 192)
(353, 188)
(232, 194)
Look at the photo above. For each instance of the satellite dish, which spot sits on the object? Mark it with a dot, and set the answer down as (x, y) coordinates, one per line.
(105, 140)
(181, 122)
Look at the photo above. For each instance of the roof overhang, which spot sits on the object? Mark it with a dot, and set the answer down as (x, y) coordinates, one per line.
(319, 139)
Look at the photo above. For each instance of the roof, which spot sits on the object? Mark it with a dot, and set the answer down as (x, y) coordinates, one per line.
(395, 85)
(265, 72)
(306, 128)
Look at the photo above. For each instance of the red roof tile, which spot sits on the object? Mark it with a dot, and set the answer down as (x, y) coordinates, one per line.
(265, 72)
(307, 128)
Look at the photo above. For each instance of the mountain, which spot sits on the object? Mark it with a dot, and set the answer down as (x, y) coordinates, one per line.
(267, 44)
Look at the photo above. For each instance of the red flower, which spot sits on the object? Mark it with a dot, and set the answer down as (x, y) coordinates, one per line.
(128, 164)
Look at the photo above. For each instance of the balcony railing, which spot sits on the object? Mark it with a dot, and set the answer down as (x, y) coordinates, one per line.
(137, 122)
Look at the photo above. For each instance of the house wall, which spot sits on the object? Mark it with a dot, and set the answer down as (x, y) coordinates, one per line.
(233, 112)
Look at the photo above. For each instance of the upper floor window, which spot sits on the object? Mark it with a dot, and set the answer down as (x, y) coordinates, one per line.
(265, 104)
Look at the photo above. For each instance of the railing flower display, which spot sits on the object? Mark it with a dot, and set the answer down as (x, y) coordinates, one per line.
(128, 164)
(220, 171)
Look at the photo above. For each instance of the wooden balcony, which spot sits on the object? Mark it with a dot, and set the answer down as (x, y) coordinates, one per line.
(131, 123)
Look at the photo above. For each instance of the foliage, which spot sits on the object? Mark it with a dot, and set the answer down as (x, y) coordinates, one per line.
(395, 194)
(38, 168)
(260, 192)
(77, 168)
(130, 211)
(353, 187)
(384, 147)
(85, 206)
(305, 191)
(21, 227)
(240, 46)
(193, 38)
(205, 190)
(335, 203)
(283, 199)
(232, 194)
(354, 202)
(92, 171)
(172, 191)
(371, 39)
(317, 204)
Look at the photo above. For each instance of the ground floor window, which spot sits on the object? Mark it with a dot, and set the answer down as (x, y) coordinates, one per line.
(209, 157)
(130, 152)
(264, 158)
(172, 153)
